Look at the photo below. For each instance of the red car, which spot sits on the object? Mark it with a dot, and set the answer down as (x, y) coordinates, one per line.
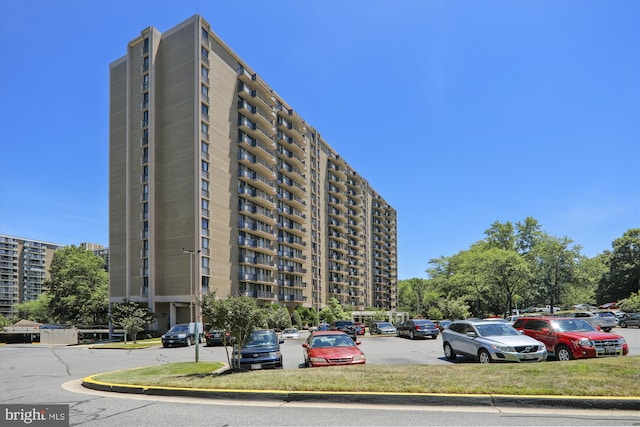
(572, 338)
(331, 348)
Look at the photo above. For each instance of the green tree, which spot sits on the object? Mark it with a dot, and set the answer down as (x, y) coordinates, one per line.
(333, 311)
(631, 304)
(623, 276)
(78, 287)
(277, 316)
(239, 315)
(296, 320)
(37, 310)
(132, 317)
(554, 263)
(507, 273)
(308, 315)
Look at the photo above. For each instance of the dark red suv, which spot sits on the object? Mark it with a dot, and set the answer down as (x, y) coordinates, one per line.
(571, 338)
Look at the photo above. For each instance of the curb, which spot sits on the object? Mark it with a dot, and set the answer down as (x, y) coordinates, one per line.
(567, 402)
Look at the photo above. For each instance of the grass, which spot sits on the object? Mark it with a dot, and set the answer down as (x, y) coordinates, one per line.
(611, 377)
(129, 345)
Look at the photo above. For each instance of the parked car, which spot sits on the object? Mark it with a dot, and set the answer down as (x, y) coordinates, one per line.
(345, 326)
(417, 328)
(442, 324)
(182, 334)
(217, 337)
(290, 334)
(262, 351)
(360, 328)
(489, 341)
(604, 320)
(382, 328)
(332, 348)
(572, 338)
(629, 319)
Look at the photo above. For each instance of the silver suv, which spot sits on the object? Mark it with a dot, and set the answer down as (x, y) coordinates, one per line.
(488, 341)
(604, 320)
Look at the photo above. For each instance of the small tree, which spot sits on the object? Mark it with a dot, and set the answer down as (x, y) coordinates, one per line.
(277, 317)
(132, 317)
(296, 319)
(240, 316)
(333, 311)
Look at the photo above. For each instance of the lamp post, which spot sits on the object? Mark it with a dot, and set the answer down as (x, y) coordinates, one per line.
(191, 253)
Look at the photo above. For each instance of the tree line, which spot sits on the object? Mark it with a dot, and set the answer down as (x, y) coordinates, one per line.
(518, 266)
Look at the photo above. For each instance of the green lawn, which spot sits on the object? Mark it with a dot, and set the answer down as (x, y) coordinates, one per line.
(617, 376)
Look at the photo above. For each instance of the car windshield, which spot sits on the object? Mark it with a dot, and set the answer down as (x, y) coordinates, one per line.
(384, 325)
(290, 331)
(179, 328)
(496, 330)
(261, 340)
(332, 341)
(573, 325)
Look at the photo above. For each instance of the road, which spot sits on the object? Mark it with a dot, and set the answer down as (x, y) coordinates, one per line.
(36, 374)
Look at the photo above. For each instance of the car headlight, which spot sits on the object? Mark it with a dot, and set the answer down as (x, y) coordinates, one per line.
(358, 357)
(585, 342)
(622, 341)
(182, 335)
(504, 348)
(274, 354)
(317, 360)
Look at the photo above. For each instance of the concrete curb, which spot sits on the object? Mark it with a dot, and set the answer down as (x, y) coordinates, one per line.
(568, 402)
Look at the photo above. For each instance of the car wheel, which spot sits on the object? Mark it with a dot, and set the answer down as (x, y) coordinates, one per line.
(484, 357)
(623, 324)
(563, 354)
(448, 352)
(411, 335)
(188, 341)
(606, 329)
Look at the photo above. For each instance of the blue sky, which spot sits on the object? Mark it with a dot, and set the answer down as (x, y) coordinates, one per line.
(459, 113)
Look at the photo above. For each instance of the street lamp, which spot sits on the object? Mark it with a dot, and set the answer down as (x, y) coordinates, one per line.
(191, 253)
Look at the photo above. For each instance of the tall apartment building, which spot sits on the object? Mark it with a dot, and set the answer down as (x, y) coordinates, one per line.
(24, 266)
(217, 184)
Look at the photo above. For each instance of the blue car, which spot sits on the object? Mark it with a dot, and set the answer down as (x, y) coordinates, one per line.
(262, 351)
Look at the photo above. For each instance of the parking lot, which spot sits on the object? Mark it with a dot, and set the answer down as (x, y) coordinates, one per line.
(388, 350)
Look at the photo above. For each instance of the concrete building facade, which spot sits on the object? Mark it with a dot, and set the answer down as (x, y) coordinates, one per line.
(217, 185)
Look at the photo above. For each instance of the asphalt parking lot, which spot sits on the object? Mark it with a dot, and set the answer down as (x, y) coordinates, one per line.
(390, 350)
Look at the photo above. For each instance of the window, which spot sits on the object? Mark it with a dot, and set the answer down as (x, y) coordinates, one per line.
(145, 136)
(204, 90)
(145, 192)
(204, 128)
(145, 229)
(204, 146)
(204, 52)
(145, 155)
(145, 118)
(205, 73)
(205, 224)
(205, 166)
(145, 64)
(145, 100)
(205, 243)
(204, 33)
(205, 262)
(205, 205)
(145, 210)
(145, 82)
(205, 109)
(205, 185)
(145, 45)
